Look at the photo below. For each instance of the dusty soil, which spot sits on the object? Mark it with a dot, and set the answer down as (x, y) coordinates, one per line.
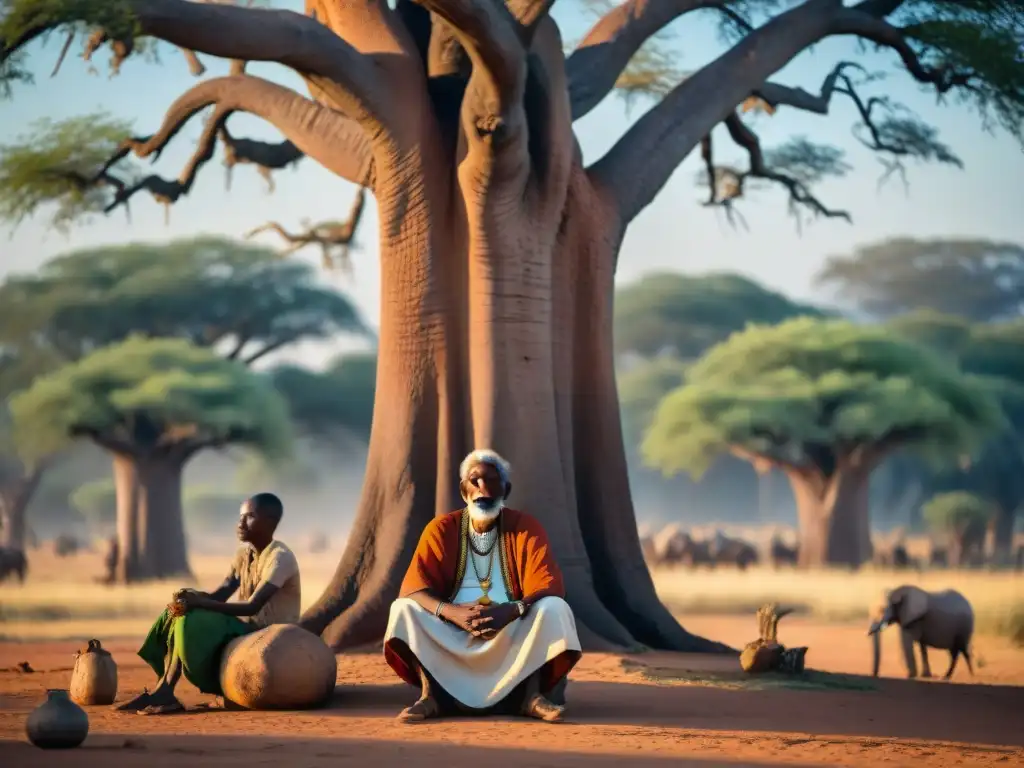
(652, 710)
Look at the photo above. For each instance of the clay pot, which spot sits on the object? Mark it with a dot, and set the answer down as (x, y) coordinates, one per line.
(94, 680)
(57, 723)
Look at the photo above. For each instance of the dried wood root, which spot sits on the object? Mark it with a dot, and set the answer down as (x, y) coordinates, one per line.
(767, 654)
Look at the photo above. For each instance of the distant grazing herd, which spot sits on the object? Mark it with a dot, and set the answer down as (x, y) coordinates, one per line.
(673, 545)
(670, 546)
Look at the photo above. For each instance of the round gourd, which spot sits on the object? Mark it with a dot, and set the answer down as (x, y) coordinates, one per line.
(282, 666)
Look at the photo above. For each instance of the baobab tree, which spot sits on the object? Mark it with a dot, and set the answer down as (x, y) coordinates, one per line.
(498, 246)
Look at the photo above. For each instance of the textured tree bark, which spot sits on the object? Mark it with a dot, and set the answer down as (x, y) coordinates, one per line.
(497, 279)
(1003, 526)
(514, 354)
(834, 518)
(150, 529)
(14, 503)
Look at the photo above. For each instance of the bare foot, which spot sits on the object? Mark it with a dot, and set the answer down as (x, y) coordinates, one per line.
(162, 703)
(424, 709)
(542, 709)
(141, 701)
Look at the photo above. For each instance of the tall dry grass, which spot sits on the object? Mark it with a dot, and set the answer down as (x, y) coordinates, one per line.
(61, 599)
(841, 596)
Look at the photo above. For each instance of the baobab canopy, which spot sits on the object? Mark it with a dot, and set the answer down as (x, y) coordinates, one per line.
(498, 246)
(825, 401)
(153, 404)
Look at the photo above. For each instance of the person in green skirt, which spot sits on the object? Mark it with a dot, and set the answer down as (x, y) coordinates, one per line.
(189, 636)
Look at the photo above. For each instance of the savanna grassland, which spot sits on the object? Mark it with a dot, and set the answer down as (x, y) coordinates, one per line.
(61, 599)
(653, 709)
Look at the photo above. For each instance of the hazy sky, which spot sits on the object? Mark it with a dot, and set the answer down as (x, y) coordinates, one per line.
(675, 232)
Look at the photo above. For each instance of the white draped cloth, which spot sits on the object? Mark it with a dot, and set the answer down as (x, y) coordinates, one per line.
(480, 673)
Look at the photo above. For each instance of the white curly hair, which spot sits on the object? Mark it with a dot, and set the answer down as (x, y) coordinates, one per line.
(485, 456)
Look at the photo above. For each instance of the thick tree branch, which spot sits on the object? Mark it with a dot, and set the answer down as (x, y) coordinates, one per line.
(230, 32)
(331, 139)
(490, 36)
(266, 156)
(604, 53)
(881, 33)
(529, 14)
(777, 95)
(643, 160)
(105, 441)
(763, 461)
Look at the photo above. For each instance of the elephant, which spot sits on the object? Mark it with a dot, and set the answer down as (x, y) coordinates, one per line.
(13, 561)
(930, 619)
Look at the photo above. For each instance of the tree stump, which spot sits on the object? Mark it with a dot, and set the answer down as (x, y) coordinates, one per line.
(767, 654)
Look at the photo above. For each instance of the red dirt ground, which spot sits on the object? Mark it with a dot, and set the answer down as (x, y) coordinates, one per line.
(617, 715)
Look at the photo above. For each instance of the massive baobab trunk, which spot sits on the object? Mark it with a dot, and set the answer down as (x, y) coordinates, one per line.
(14, 501)
(834, 519)
(498, 245)
(150, 530)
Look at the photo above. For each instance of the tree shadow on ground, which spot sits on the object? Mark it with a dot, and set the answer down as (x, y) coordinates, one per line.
(865, 708)
(130, 751)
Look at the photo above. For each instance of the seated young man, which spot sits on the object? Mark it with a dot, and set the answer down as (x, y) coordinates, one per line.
(191, 633)
(481, 624)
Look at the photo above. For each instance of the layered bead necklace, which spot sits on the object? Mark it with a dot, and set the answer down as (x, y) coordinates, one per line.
(483, 545)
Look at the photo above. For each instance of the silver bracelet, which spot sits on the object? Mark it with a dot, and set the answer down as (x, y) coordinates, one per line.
(437, 611)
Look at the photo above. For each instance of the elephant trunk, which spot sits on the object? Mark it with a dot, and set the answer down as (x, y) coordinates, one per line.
(876, 645)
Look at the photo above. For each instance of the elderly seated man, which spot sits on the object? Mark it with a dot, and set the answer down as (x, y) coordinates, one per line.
(481, 624)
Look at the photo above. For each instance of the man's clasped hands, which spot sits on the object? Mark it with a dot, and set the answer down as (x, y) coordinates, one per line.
(483, 621)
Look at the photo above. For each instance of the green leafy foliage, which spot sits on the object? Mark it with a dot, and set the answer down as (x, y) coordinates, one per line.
(686, 314)
(242, 298)
(13, 70)
(96, 502)
(22, 18)
(340, 397)
(152, 393)
(980, 38)
(641, 389)
(976, 279)
(55, 163)
(809, 392)
(994, 353)
(958, 513)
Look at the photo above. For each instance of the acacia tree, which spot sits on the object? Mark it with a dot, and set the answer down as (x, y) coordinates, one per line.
(96, 502)
(331, 409)
(498, 246)
(685, 315)
(994, 351)
(824, 401)
(240, 299)
(975, 279)
(962, 518)
(20, 475)
(153, 404)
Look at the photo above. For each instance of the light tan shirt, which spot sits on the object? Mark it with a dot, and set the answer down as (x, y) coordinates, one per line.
(275, 565)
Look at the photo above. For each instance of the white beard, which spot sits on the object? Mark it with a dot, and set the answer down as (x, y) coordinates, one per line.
(478, 515)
